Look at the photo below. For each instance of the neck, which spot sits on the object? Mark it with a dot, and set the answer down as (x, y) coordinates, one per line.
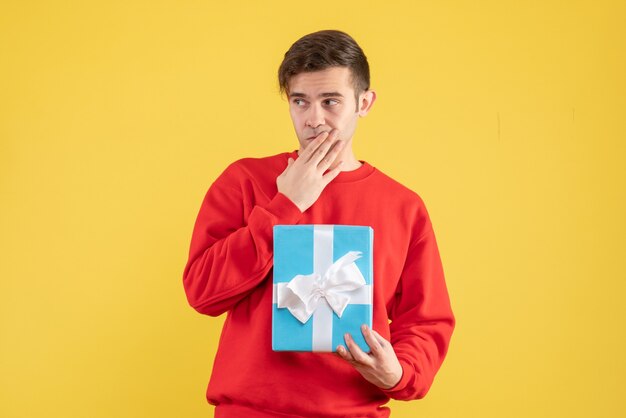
(350, 162)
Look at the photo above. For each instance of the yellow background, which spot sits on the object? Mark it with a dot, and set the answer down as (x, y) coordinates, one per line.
(508, 118)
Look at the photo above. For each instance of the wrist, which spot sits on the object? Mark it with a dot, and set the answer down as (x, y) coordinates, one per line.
(294, 201)
(397, 376)
(284, 209)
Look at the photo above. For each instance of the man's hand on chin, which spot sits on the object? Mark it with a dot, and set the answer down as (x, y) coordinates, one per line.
(304, 179)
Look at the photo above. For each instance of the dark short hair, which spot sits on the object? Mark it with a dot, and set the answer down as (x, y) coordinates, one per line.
(321, 50)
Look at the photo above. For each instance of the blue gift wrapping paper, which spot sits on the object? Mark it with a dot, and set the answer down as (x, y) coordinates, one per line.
(300, 250)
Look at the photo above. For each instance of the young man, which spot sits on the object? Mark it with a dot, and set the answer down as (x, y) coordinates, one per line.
(326, 78)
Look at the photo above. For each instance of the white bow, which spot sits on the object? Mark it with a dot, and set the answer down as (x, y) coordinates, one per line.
(303, 293)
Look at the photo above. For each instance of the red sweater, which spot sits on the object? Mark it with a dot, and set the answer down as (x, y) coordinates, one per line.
(230, 270)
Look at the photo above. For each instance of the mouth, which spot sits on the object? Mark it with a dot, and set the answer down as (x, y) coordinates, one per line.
(315, 136)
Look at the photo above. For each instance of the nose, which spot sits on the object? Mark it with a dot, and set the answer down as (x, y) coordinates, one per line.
(315, 116)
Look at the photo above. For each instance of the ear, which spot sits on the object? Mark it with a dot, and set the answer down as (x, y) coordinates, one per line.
(366, 100)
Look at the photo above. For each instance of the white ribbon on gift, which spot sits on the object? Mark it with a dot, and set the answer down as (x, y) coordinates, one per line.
(331, 287)
(304, 293)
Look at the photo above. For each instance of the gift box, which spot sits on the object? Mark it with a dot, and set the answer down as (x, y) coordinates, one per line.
(323, 282)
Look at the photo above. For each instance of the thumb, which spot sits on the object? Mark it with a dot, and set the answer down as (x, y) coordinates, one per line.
(289, 164)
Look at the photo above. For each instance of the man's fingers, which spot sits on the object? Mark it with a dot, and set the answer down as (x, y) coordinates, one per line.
(358, 354)
(328, 177)
(331, 155)
(381, 340)
(303, 179)
(344, 353)
(314, 145)
(323, 149)
(372, 341)
(289, 164)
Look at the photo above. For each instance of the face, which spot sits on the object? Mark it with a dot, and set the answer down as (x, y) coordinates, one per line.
(324, 100)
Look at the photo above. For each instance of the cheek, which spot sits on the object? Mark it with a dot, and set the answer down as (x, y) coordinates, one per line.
(295, 119)
(336, 120)
(349, 125)
(345, 121)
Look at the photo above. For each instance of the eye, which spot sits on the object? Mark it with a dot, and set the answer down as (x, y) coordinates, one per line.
(331, 102)
(298, 102)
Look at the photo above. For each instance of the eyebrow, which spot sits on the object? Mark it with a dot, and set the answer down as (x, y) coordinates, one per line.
(329, 94)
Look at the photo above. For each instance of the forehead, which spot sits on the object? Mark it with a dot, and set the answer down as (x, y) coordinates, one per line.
(331, 79)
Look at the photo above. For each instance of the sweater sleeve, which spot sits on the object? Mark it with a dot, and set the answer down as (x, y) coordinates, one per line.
(422, 320)
(231, 251)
